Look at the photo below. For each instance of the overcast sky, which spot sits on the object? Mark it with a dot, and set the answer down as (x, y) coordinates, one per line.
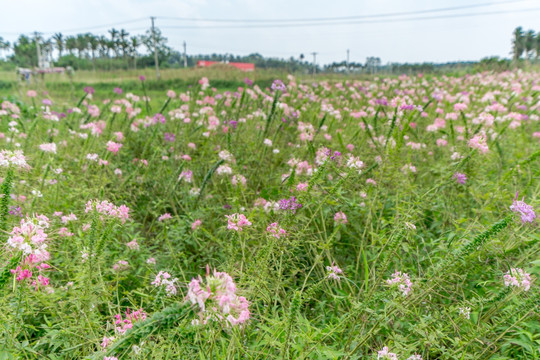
(441, 39)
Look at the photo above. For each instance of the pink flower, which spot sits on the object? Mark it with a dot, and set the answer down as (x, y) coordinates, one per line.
(171, 94)
(460, 178)
(276, 231)
(302, 186)
(479, 142)
(237, 222)
(31, 93)
(526, 211)
(48, 147)
(165, 216)
(340, 218)
(334, 272)
(196, 224)
(133, 245)
(186, 175)
(114, 147)
(518, 278)
(386, 355)
(401, 281)
(217, 300)
(121, 265)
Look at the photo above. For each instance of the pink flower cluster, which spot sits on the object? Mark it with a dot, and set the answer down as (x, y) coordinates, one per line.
(217, 299)
(164, 217)
(237, 222)
(114, 147)
(340, 218)
(334, 271)
(276, 231)
(526, 211)
(109, 209)
(50, 147)
(13, 158)
(30, 238)
(123, 325)
(479, 142)
(162, 279)
(460, 178)
(401, 281)
(519, 278)
(386, 354)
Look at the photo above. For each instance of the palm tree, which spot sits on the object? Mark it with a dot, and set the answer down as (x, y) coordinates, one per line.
(59, 40)
(112, 45)
(123, 41)
(133, 46)
(103, 46)
(517, 42)
(71, 44)
(4, 45)
(528, 43)
(93, 43)
(537, 46)
(82, 44)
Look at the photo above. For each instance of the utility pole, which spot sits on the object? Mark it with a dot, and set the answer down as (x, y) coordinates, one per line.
(185, 56)
(155, 47)
(314, 62)
(38, 48)
(347, 61)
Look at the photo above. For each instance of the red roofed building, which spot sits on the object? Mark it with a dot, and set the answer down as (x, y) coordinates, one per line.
(241, 66)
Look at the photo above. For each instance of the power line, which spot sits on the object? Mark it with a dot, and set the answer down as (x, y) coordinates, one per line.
(347, 22)
(82, 29)
(353, 17)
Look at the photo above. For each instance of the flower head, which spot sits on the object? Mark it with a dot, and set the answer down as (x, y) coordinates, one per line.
(526, 211)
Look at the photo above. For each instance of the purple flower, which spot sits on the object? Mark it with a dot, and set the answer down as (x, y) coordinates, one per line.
(159, 118)
(142, 77)
(170, 137)
(460, 178)
(526, 211)
(278, 85)
(233, 123)
(16, 211)
(290, 204)
(336, 155)
(46, 102)
(89, 90)
(248, 81)
(117, 90)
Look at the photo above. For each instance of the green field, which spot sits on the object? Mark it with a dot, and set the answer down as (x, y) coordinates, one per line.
(326, 217)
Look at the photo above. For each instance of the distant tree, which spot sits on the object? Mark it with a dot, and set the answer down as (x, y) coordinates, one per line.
(537, 46)
(114, 41)
(518, 45)
(134, 44)
(161, 44)
(4, 45)
(93, 44)
(59, 43)
(81, 44)
(71, 44)
(123, 44)
(24, 52)
(529, 43)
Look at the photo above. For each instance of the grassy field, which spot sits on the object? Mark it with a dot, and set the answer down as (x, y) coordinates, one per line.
(301, 218)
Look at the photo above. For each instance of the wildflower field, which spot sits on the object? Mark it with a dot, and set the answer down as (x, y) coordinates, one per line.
(390, 218)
